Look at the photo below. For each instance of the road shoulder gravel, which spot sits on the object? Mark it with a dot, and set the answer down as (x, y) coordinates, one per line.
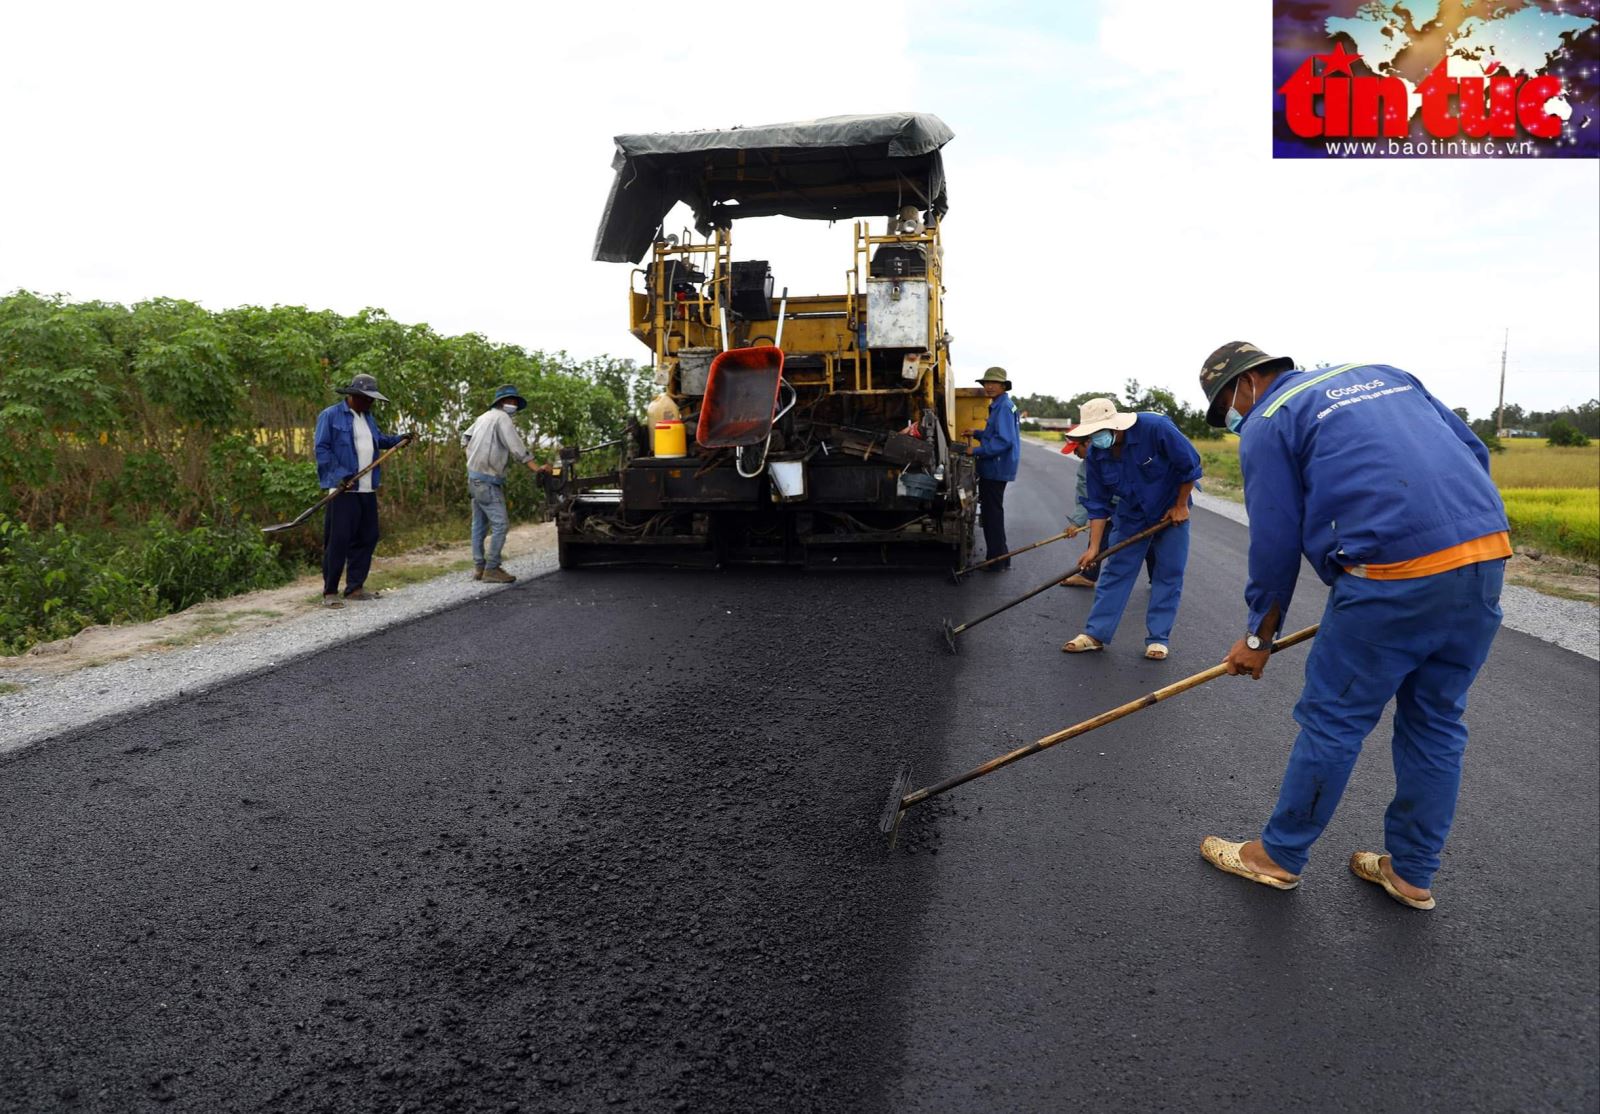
(46, 704)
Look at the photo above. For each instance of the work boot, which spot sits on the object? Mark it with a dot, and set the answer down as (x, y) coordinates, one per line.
(498, 576)
(477, 572)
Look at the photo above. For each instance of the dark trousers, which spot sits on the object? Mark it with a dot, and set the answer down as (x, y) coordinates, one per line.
(992, 509)
(349, 535)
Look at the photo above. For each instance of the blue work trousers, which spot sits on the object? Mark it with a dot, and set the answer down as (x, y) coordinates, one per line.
(1419, 642)
(1169, 552)
(349, 535)
(488, 517)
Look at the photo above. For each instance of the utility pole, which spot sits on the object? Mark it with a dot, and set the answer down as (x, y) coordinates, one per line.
(1500, 411)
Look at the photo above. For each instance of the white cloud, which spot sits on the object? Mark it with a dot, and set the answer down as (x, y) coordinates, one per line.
(448, 164)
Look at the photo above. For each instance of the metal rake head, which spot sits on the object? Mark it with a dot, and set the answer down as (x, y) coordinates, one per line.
(889, 825)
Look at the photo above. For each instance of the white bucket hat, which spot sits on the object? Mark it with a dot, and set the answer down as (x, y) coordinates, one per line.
(1098, 414)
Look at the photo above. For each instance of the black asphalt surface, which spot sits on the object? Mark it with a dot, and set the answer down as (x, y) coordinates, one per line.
(608, 841)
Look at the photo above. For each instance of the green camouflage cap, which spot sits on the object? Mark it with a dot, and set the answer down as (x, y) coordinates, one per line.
(1228, 363)
(996, 375)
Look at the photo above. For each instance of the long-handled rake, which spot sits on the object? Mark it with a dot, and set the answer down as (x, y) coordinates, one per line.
(950, 632)
(1069, 532)
(900, 800)
(336, 492)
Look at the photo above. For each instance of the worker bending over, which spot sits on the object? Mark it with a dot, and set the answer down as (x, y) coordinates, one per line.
(1079, 517)
(1388, 495)
(1141, 469)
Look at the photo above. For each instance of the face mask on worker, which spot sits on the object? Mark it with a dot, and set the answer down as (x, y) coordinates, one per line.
(1103, 440)
(509, 407)
(1234, 418)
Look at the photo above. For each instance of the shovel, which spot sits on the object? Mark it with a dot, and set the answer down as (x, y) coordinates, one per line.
(336, 492)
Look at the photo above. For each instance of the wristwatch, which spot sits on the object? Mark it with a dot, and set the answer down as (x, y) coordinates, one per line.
(1254, 641)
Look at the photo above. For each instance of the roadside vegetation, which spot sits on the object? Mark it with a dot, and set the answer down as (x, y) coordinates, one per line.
(143, 447)
(1552, 495)
(1551, 492)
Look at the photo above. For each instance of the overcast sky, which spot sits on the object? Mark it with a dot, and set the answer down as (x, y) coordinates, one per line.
(1115, 211)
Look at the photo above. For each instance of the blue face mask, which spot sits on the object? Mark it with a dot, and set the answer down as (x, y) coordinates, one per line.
(1103, 440)
(1235, 419)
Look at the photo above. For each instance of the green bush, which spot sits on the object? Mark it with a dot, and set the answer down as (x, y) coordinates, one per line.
(54, 583)
(1563, 434)
(209, 562)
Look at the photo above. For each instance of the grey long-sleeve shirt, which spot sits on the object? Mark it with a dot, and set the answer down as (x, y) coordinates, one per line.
(492, 441)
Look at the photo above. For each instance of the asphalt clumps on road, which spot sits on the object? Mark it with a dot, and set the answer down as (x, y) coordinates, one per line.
(659, 887)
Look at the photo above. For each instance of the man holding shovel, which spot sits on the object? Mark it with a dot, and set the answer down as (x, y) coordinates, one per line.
(492, 442)
(1388, 495)
(1144, 467)
(346, 440)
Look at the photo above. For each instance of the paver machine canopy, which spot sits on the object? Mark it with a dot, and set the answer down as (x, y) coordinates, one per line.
(859, 463)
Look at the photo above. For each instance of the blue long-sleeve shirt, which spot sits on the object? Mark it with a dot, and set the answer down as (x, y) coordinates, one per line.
(1079, 515)
(1352, 466)
(1142, 485)
(999, 441)
(335, 445)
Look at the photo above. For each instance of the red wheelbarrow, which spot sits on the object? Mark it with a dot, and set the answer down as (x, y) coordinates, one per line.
(741, 402)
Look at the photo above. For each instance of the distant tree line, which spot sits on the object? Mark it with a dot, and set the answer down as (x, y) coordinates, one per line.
(1583, 419)
(1133, 396)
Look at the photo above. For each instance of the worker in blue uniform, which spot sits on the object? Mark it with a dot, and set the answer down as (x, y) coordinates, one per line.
(998, 450)
(1141, 469)
(1388, 495)
(346, 441)
(1079, 517)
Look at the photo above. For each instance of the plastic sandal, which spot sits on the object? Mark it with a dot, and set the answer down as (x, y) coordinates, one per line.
(1368, 866)
(1224, 855)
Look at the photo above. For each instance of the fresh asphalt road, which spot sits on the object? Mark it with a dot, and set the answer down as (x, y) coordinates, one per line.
(608, 841)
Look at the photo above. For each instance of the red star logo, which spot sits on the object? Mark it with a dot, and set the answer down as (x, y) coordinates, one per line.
(1338, 61)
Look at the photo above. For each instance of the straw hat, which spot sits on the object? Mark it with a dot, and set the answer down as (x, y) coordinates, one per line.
(1098, 414)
